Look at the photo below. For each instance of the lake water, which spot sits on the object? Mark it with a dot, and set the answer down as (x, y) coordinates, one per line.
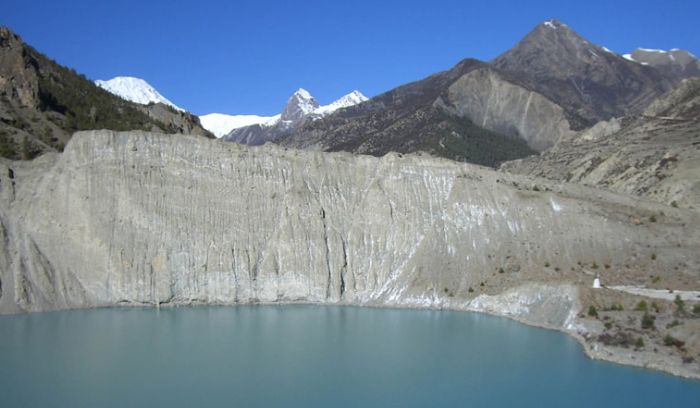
(309, 356)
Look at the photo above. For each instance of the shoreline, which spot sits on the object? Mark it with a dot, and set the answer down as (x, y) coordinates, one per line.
(593, 350)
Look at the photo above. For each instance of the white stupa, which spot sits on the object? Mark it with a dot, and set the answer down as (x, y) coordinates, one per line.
(596, 282)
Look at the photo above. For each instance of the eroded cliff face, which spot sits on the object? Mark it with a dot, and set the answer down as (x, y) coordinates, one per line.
(506, 108)
(139, 218)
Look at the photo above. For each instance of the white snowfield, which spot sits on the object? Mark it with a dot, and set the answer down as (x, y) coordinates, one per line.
(134, 90)
(220, 124)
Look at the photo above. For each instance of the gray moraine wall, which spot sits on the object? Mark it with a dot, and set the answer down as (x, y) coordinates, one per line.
(138, 218)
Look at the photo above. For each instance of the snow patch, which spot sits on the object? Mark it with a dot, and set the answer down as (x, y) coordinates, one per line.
(652, 50)
(351, 99)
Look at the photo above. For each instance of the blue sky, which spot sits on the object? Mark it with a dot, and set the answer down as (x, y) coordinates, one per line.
(249, 56)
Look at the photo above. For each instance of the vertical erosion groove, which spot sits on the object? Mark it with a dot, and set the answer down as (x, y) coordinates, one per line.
(343, 270)
(328, 252)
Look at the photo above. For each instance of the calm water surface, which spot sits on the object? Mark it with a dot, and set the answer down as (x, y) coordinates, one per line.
(309, 356)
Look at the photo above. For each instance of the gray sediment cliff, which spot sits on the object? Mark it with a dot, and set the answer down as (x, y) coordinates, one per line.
(141, 218)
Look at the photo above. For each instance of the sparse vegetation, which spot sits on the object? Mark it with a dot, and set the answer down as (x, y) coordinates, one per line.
(546, 264)
(594, 265)
(673, 324)
(671, 341)
(8, 147)
(641, 306)
(619, 339)
(652, 218)
(639, 343)
(592, 311)
(680, 305)
(648, 321)
(653, 257)
(696, 310)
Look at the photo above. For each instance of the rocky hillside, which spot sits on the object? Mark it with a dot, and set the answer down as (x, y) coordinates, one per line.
(590, 82)
(42, 103)
(185, 220)
(427, 115)
(675, 63)
(550, 85)
(654, 155)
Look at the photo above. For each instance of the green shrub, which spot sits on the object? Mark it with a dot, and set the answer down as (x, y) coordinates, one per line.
(592, 311)
(680, 305)
(653, 257)
(639, 343)
(696, 310)
(641, 306)
(648, 321)
(673, 324)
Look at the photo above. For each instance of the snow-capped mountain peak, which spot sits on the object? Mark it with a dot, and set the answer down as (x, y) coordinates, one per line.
(353, 98)
(299, 105)
(134, 90)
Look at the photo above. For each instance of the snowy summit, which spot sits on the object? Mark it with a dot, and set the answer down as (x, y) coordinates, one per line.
(134, 90)
(300, 105)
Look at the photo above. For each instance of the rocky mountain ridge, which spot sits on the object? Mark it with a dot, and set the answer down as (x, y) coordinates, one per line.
(551, 84)
(590, 82)
(42, 103)
(673, 63)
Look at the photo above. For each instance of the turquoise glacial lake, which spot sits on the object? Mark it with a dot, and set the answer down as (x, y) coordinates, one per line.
(309, 356)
